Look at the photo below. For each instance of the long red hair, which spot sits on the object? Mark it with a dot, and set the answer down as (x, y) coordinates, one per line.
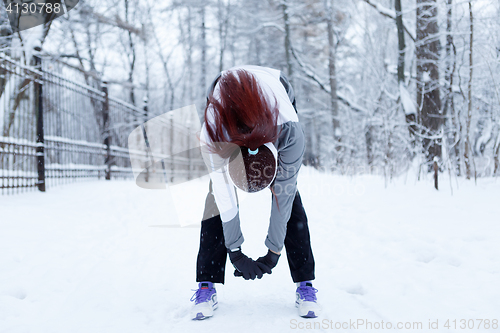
(243, 115)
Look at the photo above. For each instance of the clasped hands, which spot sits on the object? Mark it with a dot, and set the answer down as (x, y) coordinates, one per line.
(248, 268)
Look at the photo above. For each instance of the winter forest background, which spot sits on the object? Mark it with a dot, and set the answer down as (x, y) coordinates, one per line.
(381, 85)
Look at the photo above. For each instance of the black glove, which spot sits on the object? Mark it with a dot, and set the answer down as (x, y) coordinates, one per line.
(270, 259)
(248, 268)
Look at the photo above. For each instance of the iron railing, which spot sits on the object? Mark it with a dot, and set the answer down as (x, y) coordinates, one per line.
(58, 124)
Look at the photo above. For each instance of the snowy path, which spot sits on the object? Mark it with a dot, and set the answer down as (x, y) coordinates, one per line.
(110, 257)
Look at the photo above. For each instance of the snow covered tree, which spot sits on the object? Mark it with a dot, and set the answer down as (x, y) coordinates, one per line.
(428, 48)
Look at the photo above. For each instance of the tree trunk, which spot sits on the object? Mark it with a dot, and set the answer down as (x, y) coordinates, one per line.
(5, 42)
(454, 127)
(223, 29)
(132, 56)
(428, 95)
(497, 158)
(369, 146)
(467, 149)
(164, 62)
(5, 28)
(203, 69)
(189, 55)
(334, 105)
(409, 114)
(317, 130)
(287, 42)
(401, 41)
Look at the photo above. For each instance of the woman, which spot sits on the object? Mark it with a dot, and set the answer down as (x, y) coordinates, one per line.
(252, 139)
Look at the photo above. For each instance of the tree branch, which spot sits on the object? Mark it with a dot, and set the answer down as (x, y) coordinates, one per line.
(309, 72)
(115, 22)
(390, 14)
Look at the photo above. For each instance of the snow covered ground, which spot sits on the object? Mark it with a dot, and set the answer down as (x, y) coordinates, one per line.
(112, 257)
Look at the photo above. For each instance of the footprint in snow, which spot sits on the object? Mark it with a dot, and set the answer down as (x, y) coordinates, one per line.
(426, 256)
(16, 292)
(356, 289)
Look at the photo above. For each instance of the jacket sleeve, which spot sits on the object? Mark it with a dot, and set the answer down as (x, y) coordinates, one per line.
(291, 147)
(224, 193)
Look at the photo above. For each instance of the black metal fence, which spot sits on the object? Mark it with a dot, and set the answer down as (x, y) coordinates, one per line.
(58, 124)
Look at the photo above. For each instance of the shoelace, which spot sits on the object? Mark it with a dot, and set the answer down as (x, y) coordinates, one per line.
(201, 295)
(308, 293)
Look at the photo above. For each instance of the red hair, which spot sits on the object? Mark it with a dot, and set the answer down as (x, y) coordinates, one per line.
(243, 116)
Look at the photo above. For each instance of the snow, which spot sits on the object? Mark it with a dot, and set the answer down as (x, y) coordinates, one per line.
(426, 77)
(406, 100)
(73, 166)
(485, 136)
(84, 143)
(111, 257)
(17, 173)
(16, 141)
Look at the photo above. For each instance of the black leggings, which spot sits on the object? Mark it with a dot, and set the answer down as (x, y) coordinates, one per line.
(211, 262)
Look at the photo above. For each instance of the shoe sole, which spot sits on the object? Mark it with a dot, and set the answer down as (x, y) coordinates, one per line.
(309, 314)
(201, 316)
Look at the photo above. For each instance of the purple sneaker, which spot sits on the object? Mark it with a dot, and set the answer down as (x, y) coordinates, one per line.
(306, 300)
(205, 301)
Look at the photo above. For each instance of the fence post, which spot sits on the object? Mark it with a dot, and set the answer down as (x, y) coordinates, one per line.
(40, 142)
(107, 134)
(436, 172)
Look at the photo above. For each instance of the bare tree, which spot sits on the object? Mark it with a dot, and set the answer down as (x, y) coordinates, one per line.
(203, 49)
(467, 149)
(130, 52)
(334, 104)
(453, 125)
(408, 107)
(428, 93)
(224, 13)
(5, 29)
(288, 47)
